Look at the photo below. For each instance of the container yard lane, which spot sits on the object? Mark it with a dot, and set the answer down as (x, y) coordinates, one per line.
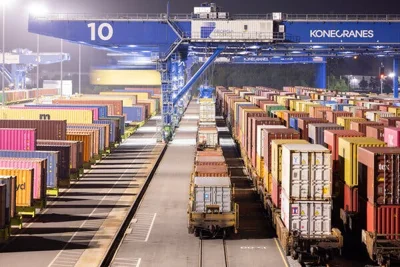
(78, 227)
(158, 234)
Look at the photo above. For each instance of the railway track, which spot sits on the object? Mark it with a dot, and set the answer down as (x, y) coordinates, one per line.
(213, 252)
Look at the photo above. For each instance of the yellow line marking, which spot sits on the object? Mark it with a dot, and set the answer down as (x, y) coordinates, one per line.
(281, 252)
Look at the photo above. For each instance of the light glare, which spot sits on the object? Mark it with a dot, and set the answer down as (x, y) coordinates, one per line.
(38, 9)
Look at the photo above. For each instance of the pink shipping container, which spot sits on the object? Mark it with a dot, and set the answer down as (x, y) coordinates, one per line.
(39, 177)
(17, 139)
(392, 136)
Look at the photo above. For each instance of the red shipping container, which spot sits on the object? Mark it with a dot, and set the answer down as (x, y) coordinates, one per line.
(247, 127)
(332, 116)
(17, 139)
(384, 220)
(318, 112)
(276, 193)
(252, 151)
(361, 126)
(350, 198)
(331, 139)
(379, 174)
(392, 136)
(303, 125)
(384, 107)
(273, 134)
(375, 132)
(389, 121)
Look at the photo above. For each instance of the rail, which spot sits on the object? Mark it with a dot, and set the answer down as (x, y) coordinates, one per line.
(190, 16)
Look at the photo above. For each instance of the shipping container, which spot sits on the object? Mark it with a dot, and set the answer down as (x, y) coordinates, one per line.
(210, 160)
(376, 115)
(252, 133)
(350, 197)
(293, 114)
(389, 121)
(127, 101)
(63, 161)
(383, 220)
(348, 156)
(10, 204)
(94, 111)
(98, 111)
(51, 164)
(392, 136)
(24, 185)
(361, 126)
(268, 136)
(307, 172)
(207, 111)
(310, 218)
(99, 130)
(39, 173)
(332, 116)
(71, 116)
(345, 121)
(86, 139)
(17, 139)
(3, 206)
(375, 132)
(303, 125)
(73, 152)
(379, 175)
(116, 110)
(136, 113)
(316, 131)
(45, 129)
(211, 171)
(207, 137)
(216, 191)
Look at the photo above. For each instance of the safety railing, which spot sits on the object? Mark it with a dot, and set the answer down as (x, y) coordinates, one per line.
(111, 16)
(228, 35)
(341, 17)
(189, 16)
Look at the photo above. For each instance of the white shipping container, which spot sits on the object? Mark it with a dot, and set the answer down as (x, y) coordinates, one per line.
(199, 10)
(310, 218)
(207, 112)
(260, 137)
(375, 115)
(306, 171)
(212, 191)
(208, 135)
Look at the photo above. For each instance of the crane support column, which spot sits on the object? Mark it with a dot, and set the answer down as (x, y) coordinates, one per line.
(321, 75)
(396, 77)
(194, 78)
(166, 91)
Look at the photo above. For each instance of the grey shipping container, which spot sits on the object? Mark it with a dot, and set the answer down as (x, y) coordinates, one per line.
(9, 182)
(45, 129)
(52, 162)
(212, 191)
(316, 131)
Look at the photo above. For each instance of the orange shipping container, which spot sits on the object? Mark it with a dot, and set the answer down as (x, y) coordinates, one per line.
(24, 185)
(86, 139)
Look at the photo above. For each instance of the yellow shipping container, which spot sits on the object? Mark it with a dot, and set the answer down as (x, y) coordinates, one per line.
(276, 156)
(24, 185)
(259, 166)
(267, 183)
(127, 101)
(292, 104)
(139, 95)
(72, 116)
(348, 155)
(345, 121)
(153, 105)
(300, 105)
(395, 110)
(310, 104)
(125, 77)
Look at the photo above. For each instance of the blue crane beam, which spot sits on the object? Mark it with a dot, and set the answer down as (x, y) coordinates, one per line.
(198, 74)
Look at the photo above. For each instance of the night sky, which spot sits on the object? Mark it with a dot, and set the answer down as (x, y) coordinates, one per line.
(17, 16)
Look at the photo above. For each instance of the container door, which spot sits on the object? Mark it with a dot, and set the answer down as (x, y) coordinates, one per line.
(320, 218)
(299, 185)
(300, 217)
(321, 176)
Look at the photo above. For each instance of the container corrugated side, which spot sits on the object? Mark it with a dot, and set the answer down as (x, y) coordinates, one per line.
(3, 206)
(73, 151)
(116, 104)
(63, 161)
(86, 140)
(348, 156)
(9, 182)
(95, 112)
(101, 131)
(39, 174)
(71, 116)
(45, 129)
(51, 164)
(24, 185)
(17, 139)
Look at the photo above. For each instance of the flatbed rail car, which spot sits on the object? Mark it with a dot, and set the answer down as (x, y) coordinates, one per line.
(308, 249)
(380, 249)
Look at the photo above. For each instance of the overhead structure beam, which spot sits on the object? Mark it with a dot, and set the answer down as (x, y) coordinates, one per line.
(197, 75)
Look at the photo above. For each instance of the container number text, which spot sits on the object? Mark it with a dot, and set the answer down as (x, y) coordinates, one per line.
(100, 31)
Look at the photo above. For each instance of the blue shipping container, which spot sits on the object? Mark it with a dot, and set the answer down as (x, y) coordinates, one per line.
(114, 131)
(52, 162)
(293, 123)
(135, 113)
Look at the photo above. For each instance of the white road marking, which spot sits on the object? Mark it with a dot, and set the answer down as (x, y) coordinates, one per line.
(151, 227)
